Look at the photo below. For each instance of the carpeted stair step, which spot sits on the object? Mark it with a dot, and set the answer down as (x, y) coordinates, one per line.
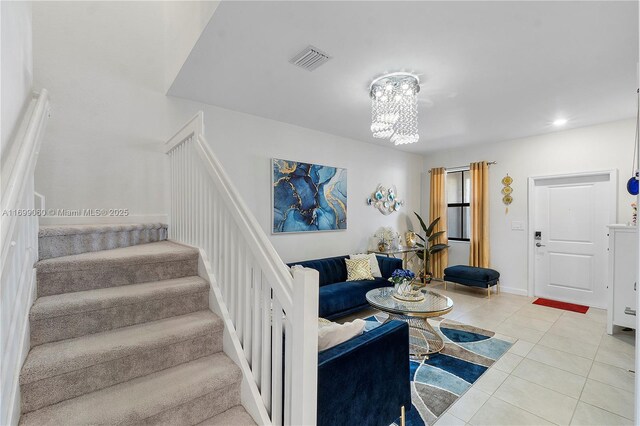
(66, 240)
(118, 267)
(58, 371)
(184, 395)
(65, 316)
(235, 416)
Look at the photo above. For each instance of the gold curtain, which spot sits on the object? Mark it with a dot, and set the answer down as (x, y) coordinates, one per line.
(479, 247)
(438, 208)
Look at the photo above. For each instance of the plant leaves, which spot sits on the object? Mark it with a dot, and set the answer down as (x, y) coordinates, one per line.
(438, 247)
(436, 235)
(420, 236)
(432, 226)
(422, 224)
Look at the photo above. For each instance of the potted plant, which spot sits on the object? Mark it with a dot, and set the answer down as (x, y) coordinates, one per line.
(429, 248)
(405, 288)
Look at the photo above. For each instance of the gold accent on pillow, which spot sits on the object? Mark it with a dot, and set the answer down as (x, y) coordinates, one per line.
(358, 269)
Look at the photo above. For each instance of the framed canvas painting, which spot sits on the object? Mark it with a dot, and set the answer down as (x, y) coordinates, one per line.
(308, 197)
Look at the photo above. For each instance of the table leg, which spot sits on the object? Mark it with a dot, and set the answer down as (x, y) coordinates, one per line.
(423, 338)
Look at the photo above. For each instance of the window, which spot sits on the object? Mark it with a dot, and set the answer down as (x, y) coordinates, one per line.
(458, 205)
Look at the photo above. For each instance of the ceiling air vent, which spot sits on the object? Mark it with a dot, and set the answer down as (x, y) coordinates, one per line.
(310, 58)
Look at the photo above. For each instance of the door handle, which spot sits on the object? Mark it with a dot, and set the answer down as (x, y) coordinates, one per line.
(540, 245)
(629, 311)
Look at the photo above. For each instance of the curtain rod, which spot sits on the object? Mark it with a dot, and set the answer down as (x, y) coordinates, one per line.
(461, 167)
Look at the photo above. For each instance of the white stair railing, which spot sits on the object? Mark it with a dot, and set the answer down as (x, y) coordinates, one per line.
(273, 309)
(19, 251)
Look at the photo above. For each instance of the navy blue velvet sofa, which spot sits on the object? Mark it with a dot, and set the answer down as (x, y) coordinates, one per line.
(365, 380)
(339, 297)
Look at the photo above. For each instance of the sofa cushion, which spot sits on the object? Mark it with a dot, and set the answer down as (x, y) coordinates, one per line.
(331, 269)
(344, 296)
(373, 262)
(388, 265)
(358, 269)
(331, 333)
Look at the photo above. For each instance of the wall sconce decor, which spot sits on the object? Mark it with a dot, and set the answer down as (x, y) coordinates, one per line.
(385, 200)
(507, 191)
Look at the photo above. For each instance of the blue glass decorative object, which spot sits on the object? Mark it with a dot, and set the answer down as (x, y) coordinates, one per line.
(632, 185)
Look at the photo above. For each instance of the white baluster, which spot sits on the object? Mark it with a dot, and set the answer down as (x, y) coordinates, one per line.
(215, 255)
(246, 309)
(239, 291)
(256, 340)
(190, 195)
(226, 254)
(276, 364)
(265, 369)
(183, 193)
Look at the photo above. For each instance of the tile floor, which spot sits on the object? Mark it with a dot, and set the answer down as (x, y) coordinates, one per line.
(564, 369)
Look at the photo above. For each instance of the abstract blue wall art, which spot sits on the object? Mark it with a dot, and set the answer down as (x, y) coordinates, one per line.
(308, 197)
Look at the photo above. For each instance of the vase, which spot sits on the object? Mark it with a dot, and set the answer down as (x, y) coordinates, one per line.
(425, 277)
(406, 291)
(410, 239)
(383, 246)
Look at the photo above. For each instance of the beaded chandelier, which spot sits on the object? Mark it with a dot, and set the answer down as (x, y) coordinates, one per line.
(394, 107)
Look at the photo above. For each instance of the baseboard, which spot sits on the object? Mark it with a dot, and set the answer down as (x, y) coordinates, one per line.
(249, 393)
(513, 290)
(98, 220)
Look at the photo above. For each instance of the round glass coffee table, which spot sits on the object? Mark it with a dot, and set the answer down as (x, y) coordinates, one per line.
(424, 340)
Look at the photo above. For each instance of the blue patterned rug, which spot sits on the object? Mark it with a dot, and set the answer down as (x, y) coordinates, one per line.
(438, 382)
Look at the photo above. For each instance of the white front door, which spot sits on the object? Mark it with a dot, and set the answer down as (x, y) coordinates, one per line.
(570, 215)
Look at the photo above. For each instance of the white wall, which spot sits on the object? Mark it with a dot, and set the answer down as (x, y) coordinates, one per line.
(602, 147)
(17, 68)
(185, 21)
(103, 64)
(103, 148)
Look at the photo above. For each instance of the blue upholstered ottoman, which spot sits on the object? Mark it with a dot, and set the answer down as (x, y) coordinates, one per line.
(473, 276)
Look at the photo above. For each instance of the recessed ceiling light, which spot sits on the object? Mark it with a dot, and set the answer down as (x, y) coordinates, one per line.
(560, 122)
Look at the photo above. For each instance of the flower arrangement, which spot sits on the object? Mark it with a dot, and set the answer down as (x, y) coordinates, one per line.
(385, 236)
(400, 275)
(405, 288)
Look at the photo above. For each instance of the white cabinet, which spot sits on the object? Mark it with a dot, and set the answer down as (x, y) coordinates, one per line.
(622, 276)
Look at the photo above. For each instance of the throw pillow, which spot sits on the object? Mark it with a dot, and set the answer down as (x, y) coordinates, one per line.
(358, 269)
(373, 262)
(331, 334)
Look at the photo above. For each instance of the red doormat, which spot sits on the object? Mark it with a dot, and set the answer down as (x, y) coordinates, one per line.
(561, 305)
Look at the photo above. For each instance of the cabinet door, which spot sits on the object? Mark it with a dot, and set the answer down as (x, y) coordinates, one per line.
(624, 290)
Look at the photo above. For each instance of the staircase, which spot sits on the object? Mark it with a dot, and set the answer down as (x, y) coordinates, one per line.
(121, 333)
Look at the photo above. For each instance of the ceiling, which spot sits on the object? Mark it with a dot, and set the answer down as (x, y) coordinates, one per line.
(489, 71)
